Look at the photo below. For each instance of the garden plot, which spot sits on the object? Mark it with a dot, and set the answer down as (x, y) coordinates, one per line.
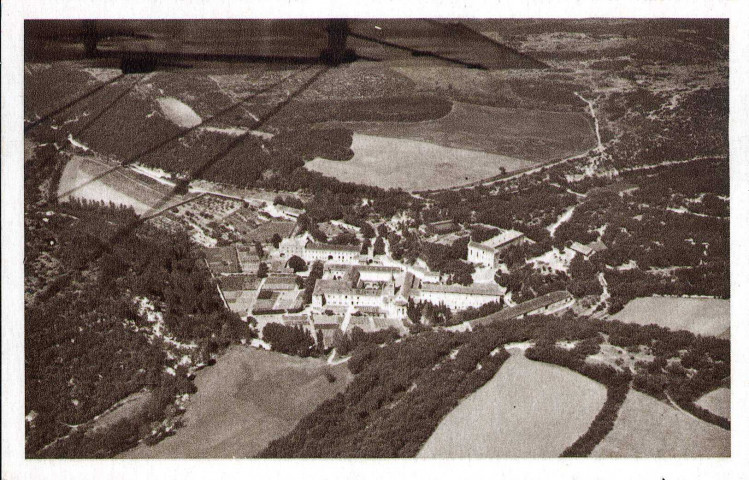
(646, 427)
(529, 409)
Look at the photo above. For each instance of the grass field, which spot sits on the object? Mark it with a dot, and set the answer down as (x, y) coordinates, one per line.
(533, 135)
(718, 402)
(413, 165)
(248, 398)
(702, 316)
(90, 179)
(528, 409)
(649, 428)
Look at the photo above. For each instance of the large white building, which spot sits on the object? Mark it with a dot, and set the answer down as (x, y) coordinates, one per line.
(324, 252)
(487, 252)
(352, 291)
(292, 246)
(459, 297)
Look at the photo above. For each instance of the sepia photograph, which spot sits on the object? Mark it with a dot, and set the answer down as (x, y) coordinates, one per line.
(358, 237)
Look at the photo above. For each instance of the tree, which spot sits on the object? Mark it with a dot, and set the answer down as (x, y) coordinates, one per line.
(367, 230)
(297, 264)
(276, 240)
(365, 246)
(379, 246)
(262, 270)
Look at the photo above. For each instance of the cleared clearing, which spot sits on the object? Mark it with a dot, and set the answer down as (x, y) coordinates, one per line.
(529, 409)
(248, 398)
(535, 135)
(649, 428)
(701, 316)
(90, 179)
(413, 165)
(179, 113)
(718, 402)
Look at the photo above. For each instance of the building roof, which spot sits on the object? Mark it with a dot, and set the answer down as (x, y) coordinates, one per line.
(503, 238)
(580, 248)
(592, 247)
(370, 310)
(443, 226)
(328, 247)
(328, 287)
(478, 289)
(522, 308)
(321, 321)
(289, 210)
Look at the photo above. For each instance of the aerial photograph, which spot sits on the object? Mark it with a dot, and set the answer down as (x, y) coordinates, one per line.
(376, 238)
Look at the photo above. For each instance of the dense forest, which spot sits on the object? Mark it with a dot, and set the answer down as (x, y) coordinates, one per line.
(109, 303)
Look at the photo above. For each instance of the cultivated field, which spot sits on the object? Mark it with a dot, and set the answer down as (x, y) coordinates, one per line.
(529, 409)
(649, 428)
(718, 402)
(91, 179)
(519, 133)
(413, 165)
(700, 316)
(248, 398)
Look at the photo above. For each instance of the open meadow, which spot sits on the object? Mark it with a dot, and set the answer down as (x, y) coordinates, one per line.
(413, 165)
(248, 398)
(529, 409)
(646, 427)
(701, 316)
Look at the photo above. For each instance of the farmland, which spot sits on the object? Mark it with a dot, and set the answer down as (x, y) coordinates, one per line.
(413, 165)
(248, 398)
(697, 315)
(718, 402)
(649, 428)
(519, 413)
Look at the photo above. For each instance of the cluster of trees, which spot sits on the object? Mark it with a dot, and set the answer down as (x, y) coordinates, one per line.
(345, 343)
(449, 260)
(289, 340)
(396, 400)
(426, 312)
(315, 274)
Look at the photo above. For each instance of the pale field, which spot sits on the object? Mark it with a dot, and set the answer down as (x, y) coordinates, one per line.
(248, 398)
(413, 165)
(701, 316)
(529, 409)
(87, 179)
(646, 427)
(718, 402)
